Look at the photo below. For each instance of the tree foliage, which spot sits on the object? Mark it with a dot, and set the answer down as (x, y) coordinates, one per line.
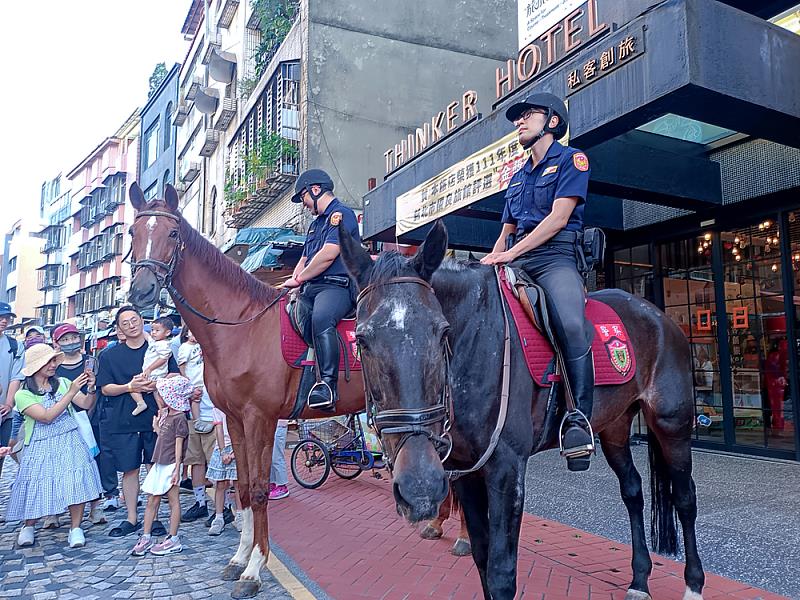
(156, 79)
(276, 18)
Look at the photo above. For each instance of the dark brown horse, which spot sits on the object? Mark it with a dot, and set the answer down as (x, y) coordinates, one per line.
(411, 314)
(245, 372)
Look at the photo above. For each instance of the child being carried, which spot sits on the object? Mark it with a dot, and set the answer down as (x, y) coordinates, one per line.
(156, 359)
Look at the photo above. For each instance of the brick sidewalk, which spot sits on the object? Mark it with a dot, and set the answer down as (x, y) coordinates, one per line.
(347, 537)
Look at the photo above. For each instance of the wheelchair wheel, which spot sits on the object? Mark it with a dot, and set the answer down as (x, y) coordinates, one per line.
(311, 464)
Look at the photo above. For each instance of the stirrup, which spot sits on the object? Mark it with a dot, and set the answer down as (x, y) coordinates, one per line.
(580, 451)
(329, 405)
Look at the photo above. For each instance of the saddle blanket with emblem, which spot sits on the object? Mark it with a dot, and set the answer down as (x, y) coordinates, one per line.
(294, 348)
(614, 359)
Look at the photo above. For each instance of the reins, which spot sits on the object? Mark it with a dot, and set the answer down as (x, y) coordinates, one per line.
(165, 280)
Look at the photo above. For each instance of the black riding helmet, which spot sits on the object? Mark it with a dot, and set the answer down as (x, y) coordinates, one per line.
(309, 178)
(552, 104)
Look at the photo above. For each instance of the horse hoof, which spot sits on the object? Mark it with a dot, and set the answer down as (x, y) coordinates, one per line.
(246, 588)
(690, 595)
(637, 595)
(232, 572)
(430, 533)
(462, 547)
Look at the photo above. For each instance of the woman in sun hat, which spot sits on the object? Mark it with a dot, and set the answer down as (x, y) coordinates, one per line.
(57, 469)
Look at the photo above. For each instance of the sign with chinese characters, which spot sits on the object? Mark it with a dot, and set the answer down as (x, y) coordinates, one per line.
(484, 173)
(535, 17)
(606, 57)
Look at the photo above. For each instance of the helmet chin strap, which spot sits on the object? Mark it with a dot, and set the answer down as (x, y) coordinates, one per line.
(543, 131)
(315, 197)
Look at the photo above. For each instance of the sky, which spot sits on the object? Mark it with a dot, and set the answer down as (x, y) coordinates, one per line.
(72, 73)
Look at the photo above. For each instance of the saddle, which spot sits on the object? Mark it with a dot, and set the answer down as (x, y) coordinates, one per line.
(614, 358)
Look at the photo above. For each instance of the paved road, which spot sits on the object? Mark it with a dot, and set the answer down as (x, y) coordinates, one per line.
(748, 521)
(103, 569)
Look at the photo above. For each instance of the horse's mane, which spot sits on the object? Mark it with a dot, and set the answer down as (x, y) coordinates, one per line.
(224, 268)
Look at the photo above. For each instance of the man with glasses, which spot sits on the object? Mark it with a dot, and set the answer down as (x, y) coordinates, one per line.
(12, 360)
(128, 439)
(543, 221)
(323, 279)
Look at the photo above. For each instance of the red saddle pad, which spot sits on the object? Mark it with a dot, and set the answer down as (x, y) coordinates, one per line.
(614, 359)
(293, 346)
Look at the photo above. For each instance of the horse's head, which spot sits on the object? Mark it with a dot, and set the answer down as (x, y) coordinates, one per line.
(402, 334)
(155, 244)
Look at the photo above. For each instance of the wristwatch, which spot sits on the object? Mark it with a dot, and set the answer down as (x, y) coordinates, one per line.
(91, 390)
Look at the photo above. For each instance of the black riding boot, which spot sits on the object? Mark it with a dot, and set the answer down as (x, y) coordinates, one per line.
(326, 350)
(578, 442)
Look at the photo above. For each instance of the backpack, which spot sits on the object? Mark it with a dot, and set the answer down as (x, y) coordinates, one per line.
(13, 345)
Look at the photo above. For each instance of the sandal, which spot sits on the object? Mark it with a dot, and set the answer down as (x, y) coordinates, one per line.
(158, 528)
(124, 528)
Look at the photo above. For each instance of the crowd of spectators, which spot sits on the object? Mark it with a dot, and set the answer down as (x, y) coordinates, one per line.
(79, 425)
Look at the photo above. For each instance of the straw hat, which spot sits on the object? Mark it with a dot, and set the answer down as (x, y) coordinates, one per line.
(38, 356)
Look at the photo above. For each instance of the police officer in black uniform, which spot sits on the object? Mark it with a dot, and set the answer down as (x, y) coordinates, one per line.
(323, 279)
(544, 212)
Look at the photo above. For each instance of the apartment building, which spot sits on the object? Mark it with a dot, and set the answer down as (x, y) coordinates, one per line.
(55, 212)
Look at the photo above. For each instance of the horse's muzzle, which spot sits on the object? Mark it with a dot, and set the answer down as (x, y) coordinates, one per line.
(144, 290)
(420, 482)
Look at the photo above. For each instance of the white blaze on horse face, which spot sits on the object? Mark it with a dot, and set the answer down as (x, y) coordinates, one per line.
(397, 317)
(245, 548)
(151, 223)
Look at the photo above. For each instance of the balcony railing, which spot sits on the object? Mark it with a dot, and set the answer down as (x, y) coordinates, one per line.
(227, 114)
(227, 13)
(181, 113)
(193, 88)
(210, 144)
(189, 170)
(214, 43)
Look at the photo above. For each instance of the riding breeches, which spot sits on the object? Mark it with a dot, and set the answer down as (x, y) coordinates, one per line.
(554, 267)
(331, 303)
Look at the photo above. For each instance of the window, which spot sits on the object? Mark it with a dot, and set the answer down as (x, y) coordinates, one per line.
(168, 126)
(213, 211)
(12, 264)
(150, 146)
(151, 191)
(167, 179)
(12, 294)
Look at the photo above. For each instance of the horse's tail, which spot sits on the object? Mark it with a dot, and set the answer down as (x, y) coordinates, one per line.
(663, 533)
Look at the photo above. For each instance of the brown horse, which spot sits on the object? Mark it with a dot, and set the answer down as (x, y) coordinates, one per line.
(237, 322)
(433, 530)
(411, 313)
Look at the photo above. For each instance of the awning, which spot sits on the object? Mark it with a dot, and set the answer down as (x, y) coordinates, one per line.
(269, 253)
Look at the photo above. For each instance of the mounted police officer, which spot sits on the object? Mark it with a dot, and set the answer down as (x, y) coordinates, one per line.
(323, 279)
(543, 214)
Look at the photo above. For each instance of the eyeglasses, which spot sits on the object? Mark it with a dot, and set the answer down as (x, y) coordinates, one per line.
(6, 317)
(527, 114)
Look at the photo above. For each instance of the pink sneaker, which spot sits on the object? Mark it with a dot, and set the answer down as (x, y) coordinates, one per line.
(170, 545)
(278, 491)
(142, 546)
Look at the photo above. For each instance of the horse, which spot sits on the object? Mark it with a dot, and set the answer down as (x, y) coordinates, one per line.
(433, 530)
(438, 354)
(236, 320)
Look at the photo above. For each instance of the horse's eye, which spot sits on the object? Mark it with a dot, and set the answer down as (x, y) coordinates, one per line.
(173, 234)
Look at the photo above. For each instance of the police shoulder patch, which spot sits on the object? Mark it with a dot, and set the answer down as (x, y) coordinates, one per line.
(580, 161)
(336, 218)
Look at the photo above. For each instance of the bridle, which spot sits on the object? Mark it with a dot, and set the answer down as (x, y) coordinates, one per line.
(165, 271)
(407, 422)
(410, 422)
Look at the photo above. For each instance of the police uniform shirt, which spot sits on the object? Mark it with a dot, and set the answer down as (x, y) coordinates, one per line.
(562, 173)
(325, 230)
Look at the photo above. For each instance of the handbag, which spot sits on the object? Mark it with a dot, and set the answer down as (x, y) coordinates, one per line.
(85, 429)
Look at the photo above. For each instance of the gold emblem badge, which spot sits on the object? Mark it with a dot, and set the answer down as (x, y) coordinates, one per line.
(336, 218)
(580, 161)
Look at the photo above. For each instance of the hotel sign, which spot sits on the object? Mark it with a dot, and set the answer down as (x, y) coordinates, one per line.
(486, 172)
(606, 58)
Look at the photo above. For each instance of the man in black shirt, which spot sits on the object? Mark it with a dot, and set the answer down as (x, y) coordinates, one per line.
(129, 439)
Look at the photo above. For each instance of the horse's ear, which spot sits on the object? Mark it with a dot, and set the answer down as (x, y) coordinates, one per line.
(171, 197)
(137, 196)
(431, 253)
(355, 258)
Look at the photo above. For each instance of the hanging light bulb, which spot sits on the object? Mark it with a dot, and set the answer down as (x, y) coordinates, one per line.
(761, 227)
(767, 223)
(797, 256)
(736, 240)
(735, 250)
(738, 257)
(774, 268)
(700, 248)
(707, 236)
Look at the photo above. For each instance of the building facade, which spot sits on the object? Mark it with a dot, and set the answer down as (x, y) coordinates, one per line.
(55, 212)
(250, 120)
(22, 257)
(694, 149)
(98, 280)
(157, 150)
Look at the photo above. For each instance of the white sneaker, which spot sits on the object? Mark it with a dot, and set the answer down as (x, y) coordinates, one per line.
(76, 538)
(111, 503)
(26, 536)
(51, 522)
(217, 525)
(96, 516)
